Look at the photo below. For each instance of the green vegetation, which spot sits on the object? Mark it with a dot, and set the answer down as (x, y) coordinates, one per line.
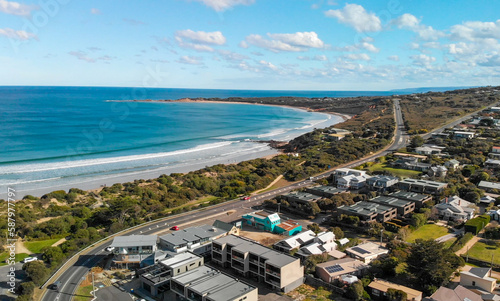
(37, 246)
(384, 168)
(429, 231)
(449, 243)
(83, 293)
(460, 243)
(476, 224)
(483, 250)
(19, 257)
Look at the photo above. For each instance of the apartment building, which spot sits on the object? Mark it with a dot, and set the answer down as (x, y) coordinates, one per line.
(194, 239)
(368, 211)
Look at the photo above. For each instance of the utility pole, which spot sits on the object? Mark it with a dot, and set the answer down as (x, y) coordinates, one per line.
(467, 256)
(381, 232)
(93, 287)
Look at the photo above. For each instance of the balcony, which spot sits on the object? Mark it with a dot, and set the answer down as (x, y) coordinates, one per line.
(272, 272)
(238, 258)
(273, 282)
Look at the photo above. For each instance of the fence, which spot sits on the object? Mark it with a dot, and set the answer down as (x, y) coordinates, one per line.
(316, 282)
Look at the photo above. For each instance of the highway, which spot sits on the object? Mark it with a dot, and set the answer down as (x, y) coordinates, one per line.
(72, 276)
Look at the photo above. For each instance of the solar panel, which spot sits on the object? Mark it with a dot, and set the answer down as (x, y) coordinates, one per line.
(360, 251)
(334, 268)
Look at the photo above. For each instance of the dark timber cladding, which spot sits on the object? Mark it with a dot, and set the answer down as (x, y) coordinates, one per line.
(402, 206)
(418, 198)
(368, 211)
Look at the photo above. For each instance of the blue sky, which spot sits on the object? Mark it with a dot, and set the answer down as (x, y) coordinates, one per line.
(251, 44)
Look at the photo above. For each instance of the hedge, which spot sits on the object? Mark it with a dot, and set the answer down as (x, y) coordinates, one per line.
(477, 224)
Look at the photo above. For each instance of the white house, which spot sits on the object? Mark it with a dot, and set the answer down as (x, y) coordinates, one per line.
(452, 164)
(455, 208)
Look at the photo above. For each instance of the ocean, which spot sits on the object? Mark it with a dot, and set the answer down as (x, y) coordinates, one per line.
(62, 137)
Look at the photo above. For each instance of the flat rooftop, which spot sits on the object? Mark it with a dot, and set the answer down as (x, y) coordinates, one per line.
(412, 196)
(191, 234)
(367, 249)
(303, 196)
(134, 241)
(179, 260)
(327, 189)
(390, 201)
(366, 208)
(288, 225)
(423, 182)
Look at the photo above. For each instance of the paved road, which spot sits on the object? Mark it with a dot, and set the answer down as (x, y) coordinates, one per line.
(75, 273)
(20, 275)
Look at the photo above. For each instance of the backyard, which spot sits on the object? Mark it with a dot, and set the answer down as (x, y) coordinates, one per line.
(484, 249)
(429, 231)
(398, 172)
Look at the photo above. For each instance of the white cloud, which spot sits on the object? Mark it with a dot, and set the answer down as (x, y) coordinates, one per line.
(199, 40)
(231, 56)
(365, 44)
(321, 58)
(490, 61)
(394, 58)
(190, 60)
(409, 21)
(295, 42)
(81, 55)
(221, 5)
(476, 30)
(17, 34)
(357, 17)
(95, 11)
(243, 44)
(358, 56)
(422, 60)
(15, 8)
(268, 65)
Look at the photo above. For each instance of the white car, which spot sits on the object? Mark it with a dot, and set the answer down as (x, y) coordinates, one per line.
(29, 259)
(110, 249)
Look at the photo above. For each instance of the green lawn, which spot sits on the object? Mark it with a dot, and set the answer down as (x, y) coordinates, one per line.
(403, 173)
(447, 244)
(37, 246)
(83, 293)
(483, 251)
(19, 257)
(429, 231)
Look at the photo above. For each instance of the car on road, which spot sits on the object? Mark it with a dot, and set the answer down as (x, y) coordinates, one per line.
(29, 259)
(110, 249)
(246, 197)
(175, 228)
(56, 285)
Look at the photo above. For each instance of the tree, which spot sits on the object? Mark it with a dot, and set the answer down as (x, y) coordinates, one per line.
(355, 291)
(339, 234)
(314, 227)
(417, 220)
(396, 295)
(36, 270)
(417, 141)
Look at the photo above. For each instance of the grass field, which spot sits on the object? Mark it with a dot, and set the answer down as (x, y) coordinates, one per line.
(403, 173)
(429, 231)
(37, 246)
(308, 293)
(19, 257)
(83, 293)
(483, 251)
(447, 244)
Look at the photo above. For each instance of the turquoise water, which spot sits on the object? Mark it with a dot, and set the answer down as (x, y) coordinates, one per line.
(62, 137)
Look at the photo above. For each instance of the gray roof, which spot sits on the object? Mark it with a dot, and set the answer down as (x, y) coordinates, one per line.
(134, 241)
(487, 184)
(191, 234)
(273, 257)
(366, 208)
(480, 272)
(412, 196)
(327, 189)
(222, 225)
(423, 182)
(302, 196)
(391, 202)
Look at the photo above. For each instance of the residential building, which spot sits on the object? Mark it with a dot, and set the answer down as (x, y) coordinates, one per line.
(427, 149)
(342, 172)
(262, 220)
(421, 186)
(452, 164)
(455, 208)
(488, 186)
(441, 135)
(437, 171)
(331, 270)
(417, 198)
(379, 287)
(411, 163)
(300, 197)
(280, 271)
(381, 183)
(460, 293)
(295, 242)
(227, 227)
(133, 250)
(352, 181)
(368, 211)
(337, 134)
(194, 239)
(208, 284)
(367, 252)
(288, 228)
(495, 149)
(491, 163)
(494, 214)
(155, 279)
(324, 242)
(463, 135)
(487, 200)
(403, 207)
(479, 278)
(324, 191)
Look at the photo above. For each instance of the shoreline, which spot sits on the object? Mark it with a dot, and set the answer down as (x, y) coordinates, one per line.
(92, 184)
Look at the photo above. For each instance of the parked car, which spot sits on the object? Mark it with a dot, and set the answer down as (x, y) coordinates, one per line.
(29, 259)
(110, 249)
(175, 228)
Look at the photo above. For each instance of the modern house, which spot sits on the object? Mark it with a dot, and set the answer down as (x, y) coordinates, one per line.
(403, 207)
(324, 191)
(379, 288)
(132, 250)
(463, 135)
(368, 211)
(417, 198)
(280, 271)
(487, 200)
(421, 186)
(455, 208)
(194, 239)
(208, 284)
(437, 171)
(488, 186)
(452, 164)
(352, 181)
(381, 183)
(288, 228)
(411, 162)
(324, 242)
(227, 227)
(460, 293)
(479, 278)
(295, 242)
(155, 279)
(300, 197)
(367, 252)
(343, 172)
(262, 220)
(331, 270)
(427, 149)
(491, 163)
